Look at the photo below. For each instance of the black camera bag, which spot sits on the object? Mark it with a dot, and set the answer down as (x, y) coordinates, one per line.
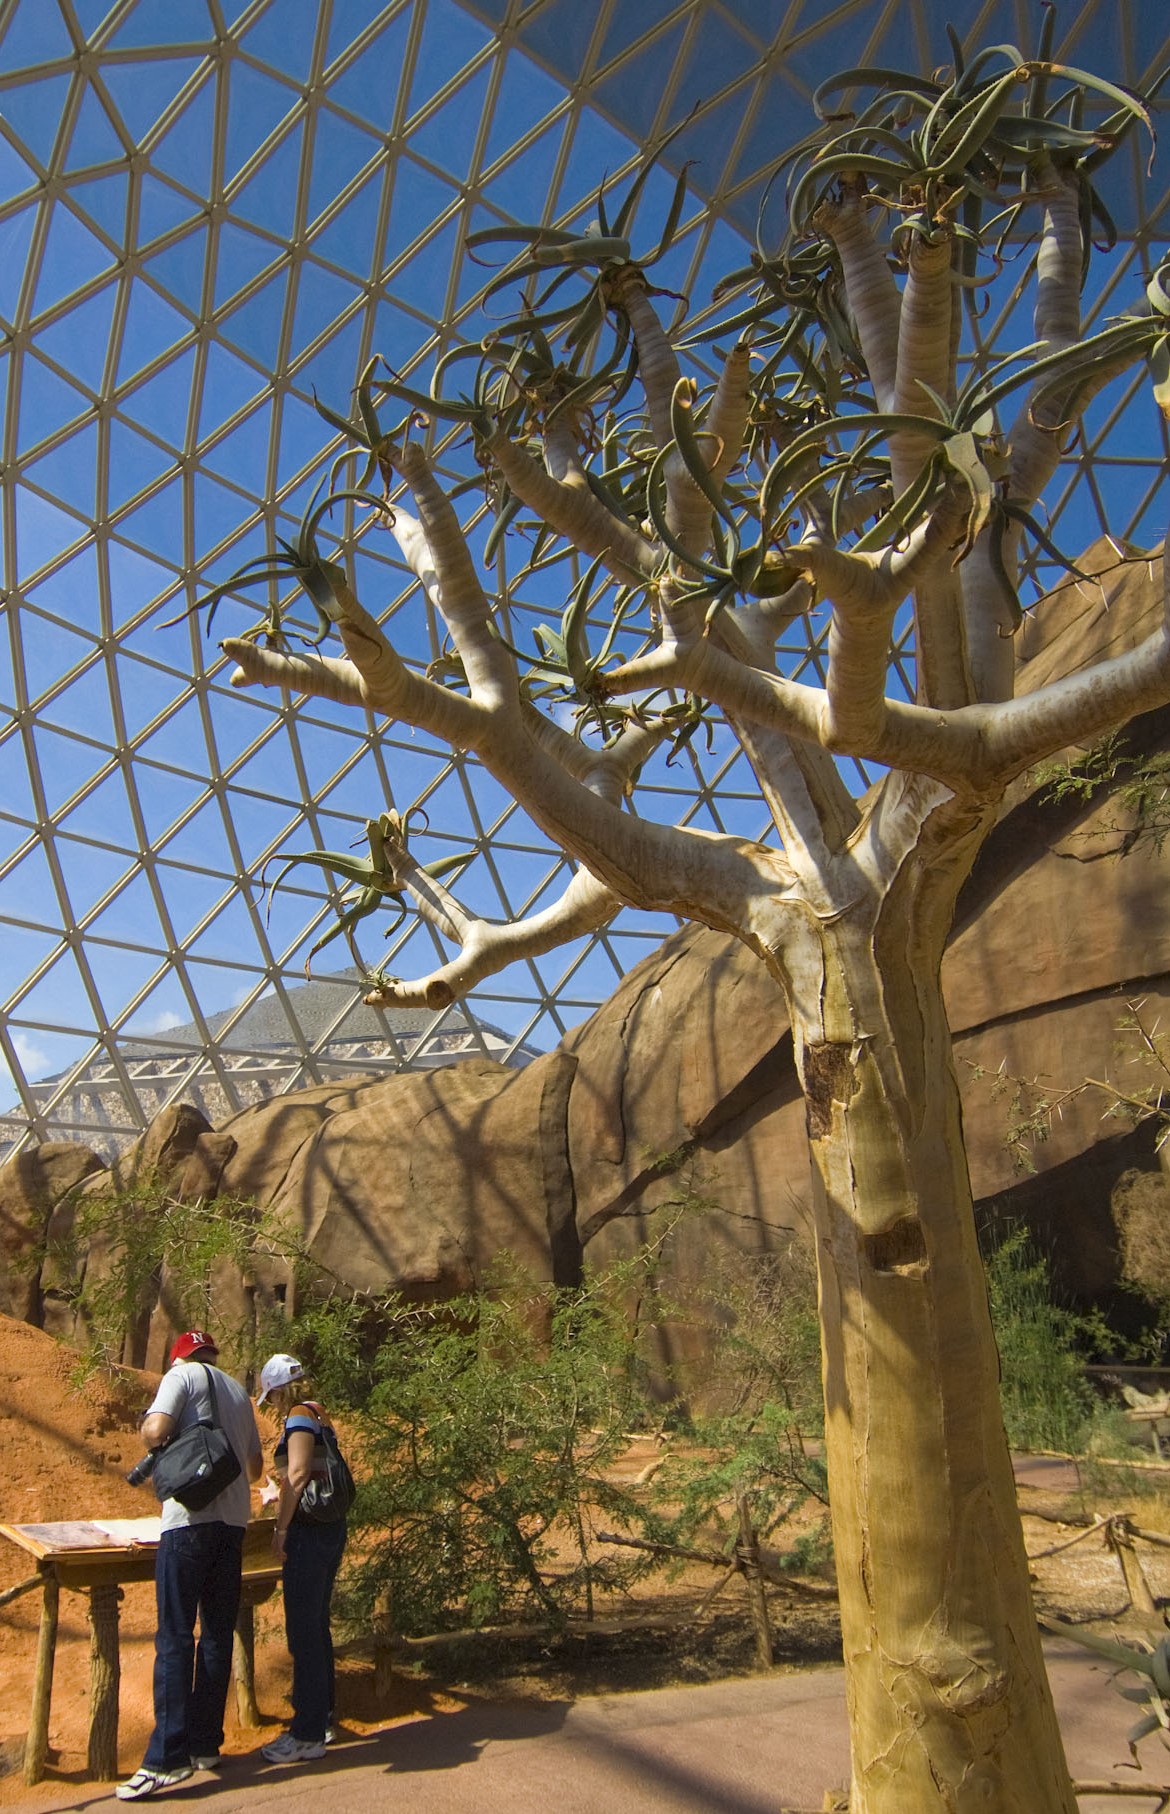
(327, 1501)
(199, 1462)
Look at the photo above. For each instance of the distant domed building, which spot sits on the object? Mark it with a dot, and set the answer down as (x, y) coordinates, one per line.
(287, 1039)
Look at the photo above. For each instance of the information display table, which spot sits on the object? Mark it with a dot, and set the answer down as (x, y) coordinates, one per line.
(97, 1557)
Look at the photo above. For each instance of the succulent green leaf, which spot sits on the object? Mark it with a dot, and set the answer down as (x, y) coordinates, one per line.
(678, 201)
(656, 504)
(574, 640)
(342, 424)
(871, 76)
(969, 129)
(443, 866)
(590, 250)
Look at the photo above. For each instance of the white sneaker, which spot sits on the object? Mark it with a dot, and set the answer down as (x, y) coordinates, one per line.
(206, 1760)
(289, 1750)
(152, 1782)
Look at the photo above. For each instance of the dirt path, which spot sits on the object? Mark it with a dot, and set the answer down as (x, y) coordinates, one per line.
(759, 1745)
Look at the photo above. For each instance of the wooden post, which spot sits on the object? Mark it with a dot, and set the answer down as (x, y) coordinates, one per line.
(37, 1743)
(244, 1664)
(1137, 1587)
(383, 1623)
(105, 1670)
(748, 1554)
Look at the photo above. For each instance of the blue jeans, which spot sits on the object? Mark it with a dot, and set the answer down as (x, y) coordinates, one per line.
(197, 1571)
(311, 1559)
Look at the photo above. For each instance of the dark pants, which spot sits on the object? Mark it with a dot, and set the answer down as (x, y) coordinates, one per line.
(311, 1559)
(197, 1571)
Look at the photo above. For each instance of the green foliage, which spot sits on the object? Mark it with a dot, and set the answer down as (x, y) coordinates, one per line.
(1141, 1657)
(488, 1438)
(126, 1247)
(334, 1335)
(1047, 1403)
(123, 1246)
(494, 1434)
(490, 1430)
(1139, 786)
(762, 1401)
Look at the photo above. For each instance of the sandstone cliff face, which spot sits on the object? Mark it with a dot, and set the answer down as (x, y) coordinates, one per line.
(683, 1084)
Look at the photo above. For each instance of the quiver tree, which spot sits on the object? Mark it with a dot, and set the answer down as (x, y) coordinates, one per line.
(837, 470)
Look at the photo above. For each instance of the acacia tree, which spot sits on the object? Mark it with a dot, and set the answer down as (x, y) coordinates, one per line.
(836, 465)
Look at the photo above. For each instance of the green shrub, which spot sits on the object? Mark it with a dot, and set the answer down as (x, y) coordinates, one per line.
(487, 1439)
(761, 1399)
(487, 1429)
(492, 1436)
(124, 1247)
(1047, 1402)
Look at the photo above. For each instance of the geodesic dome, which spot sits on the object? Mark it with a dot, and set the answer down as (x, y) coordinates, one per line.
(212, 211)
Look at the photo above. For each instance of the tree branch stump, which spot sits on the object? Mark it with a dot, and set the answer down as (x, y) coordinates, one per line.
(105, 1671)
(37, 1743)
(1120, 1539)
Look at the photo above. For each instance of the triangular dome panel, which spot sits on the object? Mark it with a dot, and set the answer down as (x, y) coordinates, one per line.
(94, 139)
(340, 151)
(184, 151)
(350, 238)
(255, 325)
(256, 105)
(526, 95)
(104, 199)
(269, 198)
(448, 136)
(161, 404)
(152, 328)
(47, 403)
(366, 86)
(34, 111)
(142, 91)
(165, 22)
(178, 268)
(69, 470)
(15, 238)
(73, 257)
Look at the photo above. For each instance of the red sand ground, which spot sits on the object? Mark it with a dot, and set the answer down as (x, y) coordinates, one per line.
(66, 1447)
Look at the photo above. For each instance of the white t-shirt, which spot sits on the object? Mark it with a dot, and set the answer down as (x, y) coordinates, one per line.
(184, 1396)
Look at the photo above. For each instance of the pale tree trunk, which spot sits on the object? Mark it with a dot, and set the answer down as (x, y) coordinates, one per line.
(949, 1702)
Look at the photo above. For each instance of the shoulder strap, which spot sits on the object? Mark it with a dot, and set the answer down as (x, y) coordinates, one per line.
(208, 1372)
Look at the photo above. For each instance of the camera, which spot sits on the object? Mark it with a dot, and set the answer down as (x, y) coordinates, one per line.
(142, 1470)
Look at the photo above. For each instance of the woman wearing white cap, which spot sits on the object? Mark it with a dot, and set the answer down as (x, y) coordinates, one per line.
(311, 1552)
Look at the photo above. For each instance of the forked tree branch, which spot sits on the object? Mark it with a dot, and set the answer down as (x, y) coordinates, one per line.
(575, 513)
(486, 947)
(436, 549)
(375, 676)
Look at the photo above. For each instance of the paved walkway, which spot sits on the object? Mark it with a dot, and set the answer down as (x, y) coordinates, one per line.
(760, 1745)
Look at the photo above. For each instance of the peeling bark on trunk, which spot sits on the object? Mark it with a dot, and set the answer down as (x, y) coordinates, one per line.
(949, 1702)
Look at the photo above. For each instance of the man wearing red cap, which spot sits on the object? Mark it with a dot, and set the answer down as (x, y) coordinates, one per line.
(197, 1572)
